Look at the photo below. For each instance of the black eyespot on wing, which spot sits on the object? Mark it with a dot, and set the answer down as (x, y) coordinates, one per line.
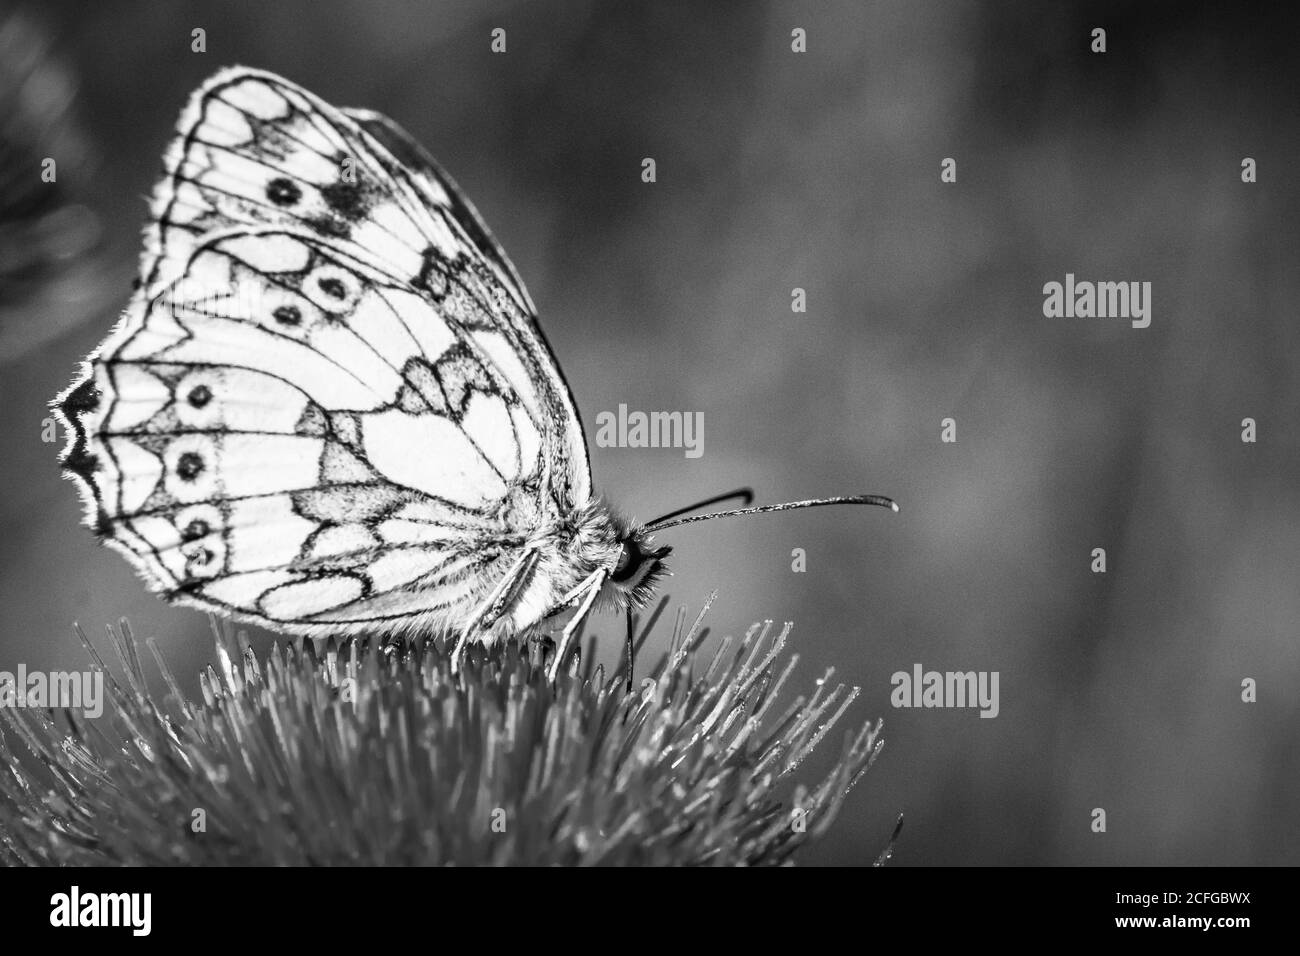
(287, 315)
(283, 192)
(334, 288)
(199, 396)
(198, 528)
(189, 466)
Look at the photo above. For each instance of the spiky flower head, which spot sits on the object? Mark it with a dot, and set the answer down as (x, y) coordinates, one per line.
(362, 754)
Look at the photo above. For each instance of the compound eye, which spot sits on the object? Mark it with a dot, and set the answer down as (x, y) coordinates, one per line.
(629, 558)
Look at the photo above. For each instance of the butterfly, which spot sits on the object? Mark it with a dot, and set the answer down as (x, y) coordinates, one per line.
(329, 407)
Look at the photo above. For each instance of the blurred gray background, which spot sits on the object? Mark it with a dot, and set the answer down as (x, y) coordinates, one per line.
(821, 171)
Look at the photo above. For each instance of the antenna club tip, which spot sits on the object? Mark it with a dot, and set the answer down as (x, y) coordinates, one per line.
(893, 506)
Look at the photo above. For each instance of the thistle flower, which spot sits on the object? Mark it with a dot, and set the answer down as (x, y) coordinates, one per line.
(365, 754)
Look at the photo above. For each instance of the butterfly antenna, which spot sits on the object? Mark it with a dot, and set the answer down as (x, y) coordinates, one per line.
(746, 496)
(878, 500)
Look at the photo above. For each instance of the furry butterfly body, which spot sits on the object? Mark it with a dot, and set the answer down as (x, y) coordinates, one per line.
(329, 407)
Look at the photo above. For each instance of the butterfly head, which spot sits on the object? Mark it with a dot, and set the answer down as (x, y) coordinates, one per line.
(639, 566)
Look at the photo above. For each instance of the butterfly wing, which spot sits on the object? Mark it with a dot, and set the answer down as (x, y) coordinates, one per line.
(328, 404)
(258, 150)
(441, 192)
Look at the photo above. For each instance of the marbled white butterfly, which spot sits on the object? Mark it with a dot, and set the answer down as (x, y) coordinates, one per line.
(329, 407)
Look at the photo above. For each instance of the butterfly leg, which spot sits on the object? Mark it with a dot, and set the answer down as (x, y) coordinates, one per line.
(631, 649)
(591, 585)
(498, 604)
